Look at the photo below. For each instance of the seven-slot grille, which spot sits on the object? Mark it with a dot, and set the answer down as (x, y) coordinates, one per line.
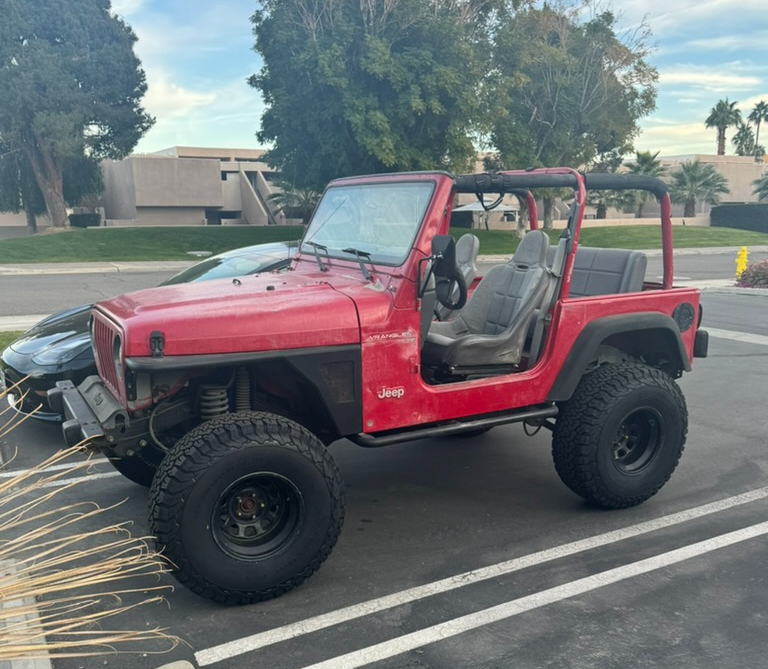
(103, 335)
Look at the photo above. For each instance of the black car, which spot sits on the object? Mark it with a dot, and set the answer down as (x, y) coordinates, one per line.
(59, 347)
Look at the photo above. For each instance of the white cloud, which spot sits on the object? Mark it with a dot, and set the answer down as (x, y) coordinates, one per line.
(735, 42)
(676, 138)
(717, 79)
(227, 116)
(126, 8)
(679, 15)
(167, 99)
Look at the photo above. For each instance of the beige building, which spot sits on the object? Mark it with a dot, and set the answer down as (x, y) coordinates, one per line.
(739, 172)
(189, 186)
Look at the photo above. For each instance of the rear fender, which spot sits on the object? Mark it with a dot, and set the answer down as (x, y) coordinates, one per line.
(653, 338)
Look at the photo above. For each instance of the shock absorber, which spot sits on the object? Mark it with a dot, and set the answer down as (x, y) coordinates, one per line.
(213, 402)
(242, 390)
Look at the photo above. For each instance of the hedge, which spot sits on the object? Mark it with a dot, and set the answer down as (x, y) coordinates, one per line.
(742, 216)
(85, 220)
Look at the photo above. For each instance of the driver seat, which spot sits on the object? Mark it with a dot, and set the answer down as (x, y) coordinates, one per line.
(490, 330)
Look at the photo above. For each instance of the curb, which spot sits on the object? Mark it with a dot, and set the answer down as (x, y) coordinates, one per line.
(94, 268)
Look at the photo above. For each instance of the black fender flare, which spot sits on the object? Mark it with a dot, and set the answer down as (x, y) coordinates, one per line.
(595, 333)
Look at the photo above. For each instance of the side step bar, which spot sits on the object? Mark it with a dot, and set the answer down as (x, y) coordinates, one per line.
(375, 440)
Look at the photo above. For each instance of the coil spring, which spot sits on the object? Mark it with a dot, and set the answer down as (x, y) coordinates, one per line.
(242, 390)
(213, 402)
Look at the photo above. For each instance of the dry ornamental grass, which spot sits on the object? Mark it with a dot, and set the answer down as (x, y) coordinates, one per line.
(63, 584)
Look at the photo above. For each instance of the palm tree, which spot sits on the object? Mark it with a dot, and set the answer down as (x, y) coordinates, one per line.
(646, 163)
(295, 202)
(744, 140)
(759, 114)
(722, 116)
(761, 188)
(695, 182)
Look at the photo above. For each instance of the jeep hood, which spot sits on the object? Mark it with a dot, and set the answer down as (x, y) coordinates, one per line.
(249, 314)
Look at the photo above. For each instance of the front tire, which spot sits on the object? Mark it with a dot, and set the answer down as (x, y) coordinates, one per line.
(246, 507)
(617, 441)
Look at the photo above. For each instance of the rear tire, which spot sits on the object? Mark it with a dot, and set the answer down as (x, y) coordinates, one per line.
(617, 441)
(246, 507)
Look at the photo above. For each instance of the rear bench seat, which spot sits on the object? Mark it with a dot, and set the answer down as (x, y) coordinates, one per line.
(605, 271)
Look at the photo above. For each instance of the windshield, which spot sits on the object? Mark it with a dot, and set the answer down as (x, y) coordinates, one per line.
(380, 220)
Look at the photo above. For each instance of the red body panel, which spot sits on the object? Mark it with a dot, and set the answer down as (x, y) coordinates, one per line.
(295, 309)
(392, 359)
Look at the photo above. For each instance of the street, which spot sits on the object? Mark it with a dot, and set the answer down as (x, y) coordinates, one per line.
(472, 553)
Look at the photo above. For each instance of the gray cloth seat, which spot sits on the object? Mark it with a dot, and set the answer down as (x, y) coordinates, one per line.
(491, 328)
(605, 271)
(467, 249)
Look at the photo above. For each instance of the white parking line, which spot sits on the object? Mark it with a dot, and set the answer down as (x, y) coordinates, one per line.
(9, 474)
(80, 479)
(451, 628)
(254, 642)
(746, 337)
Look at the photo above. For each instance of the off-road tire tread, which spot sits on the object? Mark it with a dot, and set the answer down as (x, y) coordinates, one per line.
(581, 419)
(191, 456)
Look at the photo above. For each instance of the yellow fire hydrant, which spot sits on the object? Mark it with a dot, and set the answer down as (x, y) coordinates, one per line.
(741, 261)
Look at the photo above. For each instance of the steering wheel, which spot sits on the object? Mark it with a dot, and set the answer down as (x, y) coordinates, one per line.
(451, 291)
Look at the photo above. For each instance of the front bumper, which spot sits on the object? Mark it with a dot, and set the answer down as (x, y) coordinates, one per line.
(90, 413)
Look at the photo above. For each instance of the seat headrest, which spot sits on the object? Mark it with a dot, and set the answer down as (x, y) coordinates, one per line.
(532, 249)
(466, 249)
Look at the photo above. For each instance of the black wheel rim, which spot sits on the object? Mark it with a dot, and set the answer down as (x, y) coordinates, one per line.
(257, 516)
(638, 440)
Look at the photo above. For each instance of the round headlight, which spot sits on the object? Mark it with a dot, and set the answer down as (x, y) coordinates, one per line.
(117, 355)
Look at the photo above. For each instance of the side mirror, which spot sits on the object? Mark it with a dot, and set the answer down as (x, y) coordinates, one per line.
(444, 255)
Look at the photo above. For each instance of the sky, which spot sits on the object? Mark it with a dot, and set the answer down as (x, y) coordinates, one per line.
(198, 54)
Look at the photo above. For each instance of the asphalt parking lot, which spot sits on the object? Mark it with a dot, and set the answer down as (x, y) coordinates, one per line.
(471, 552)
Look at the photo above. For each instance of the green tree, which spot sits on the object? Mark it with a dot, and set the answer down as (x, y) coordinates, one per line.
(694, 182)
(745, 141)
(761, 188)
(71, 88)
(759, 114)
(723, 116)
(573, 88)
(369, 86)
(18, 190)
(647, 164)
(295, 202)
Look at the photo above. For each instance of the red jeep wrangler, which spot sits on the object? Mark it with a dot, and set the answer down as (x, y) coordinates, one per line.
(225, 396)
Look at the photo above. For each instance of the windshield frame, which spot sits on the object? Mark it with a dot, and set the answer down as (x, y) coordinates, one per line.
(427, 189)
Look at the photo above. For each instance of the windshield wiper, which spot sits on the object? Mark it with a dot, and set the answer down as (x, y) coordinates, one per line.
(360, 255)
(320, 247)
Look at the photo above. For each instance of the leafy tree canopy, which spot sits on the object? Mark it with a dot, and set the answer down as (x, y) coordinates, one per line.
(575, 87)
(370, 86)
(72, 89)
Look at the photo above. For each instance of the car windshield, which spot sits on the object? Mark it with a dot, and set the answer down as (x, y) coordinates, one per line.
(235, 263)
(379, 220)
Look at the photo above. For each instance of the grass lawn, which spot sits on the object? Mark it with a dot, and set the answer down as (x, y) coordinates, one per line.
(7, 337)
(125, 244)
(107, 244)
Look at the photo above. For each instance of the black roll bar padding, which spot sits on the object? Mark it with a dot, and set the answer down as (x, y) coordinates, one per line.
(513, 183)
